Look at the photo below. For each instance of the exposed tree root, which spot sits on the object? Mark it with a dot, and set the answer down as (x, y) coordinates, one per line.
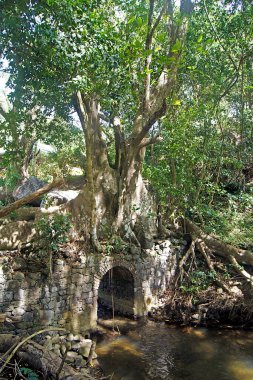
(218, 247)
(208, 245)
(183, 260)
(205, 251)
(240, 270)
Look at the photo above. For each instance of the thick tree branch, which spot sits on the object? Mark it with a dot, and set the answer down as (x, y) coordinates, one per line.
(218, 37)
(119, 141)
(166, 81)
(150, 141)
(80, 109)
(148, 46)
(156, 115)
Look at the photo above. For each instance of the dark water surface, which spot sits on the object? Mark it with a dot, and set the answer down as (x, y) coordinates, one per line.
(158, 351)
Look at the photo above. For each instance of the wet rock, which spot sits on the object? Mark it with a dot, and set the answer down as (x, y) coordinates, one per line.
(63, 349)
(85, 347)
(71, 357)
(57, 351)
(80, 361)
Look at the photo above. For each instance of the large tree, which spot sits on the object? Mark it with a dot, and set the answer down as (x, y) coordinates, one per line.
(116, 63)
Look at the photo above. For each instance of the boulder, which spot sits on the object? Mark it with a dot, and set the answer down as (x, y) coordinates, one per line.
(58, 197)
(29, 186)
(85, 348)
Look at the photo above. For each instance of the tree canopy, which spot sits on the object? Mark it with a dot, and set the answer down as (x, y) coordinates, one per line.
(138, 73)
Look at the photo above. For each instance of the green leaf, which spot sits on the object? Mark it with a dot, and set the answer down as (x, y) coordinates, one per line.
(176, 102)
(200, 39)
(177, 46)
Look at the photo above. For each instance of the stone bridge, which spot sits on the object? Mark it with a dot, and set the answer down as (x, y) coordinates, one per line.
(133, 282)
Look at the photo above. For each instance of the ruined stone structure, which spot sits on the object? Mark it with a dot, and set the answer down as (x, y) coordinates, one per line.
(28, 299)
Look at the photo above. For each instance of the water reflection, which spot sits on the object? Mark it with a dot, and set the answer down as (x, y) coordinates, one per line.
(160, 352)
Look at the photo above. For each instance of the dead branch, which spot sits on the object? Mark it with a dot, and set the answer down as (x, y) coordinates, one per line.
(239, 269)
(190, 251)
(205, 251)
(19, 344)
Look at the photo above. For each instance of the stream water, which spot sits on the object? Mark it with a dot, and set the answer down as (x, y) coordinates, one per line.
(157, 351)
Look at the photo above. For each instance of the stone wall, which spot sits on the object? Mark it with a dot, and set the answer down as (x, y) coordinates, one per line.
(29, 300)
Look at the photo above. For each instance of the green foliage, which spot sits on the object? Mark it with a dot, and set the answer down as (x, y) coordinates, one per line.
(9, 178)
(69, 160)
(198, 281)
(231, 222)
(202, 167)
(115, 245)
(53, 231)
(29, 374)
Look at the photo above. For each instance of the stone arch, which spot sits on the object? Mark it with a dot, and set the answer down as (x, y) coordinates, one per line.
(105, 265)
(116, 292)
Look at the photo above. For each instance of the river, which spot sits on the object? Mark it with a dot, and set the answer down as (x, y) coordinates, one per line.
(156, 351)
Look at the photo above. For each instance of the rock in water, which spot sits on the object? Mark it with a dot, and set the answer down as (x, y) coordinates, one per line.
(29, 186)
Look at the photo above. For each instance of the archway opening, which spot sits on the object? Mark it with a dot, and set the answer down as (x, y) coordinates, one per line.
(116, 293)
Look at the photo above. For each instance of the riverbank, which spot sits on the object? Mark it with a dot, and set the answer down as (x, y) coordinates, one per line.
(210, 308)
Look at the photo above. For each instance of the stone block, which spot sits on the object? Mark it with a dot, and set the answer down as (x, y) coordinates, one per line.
(85, 346)
(20, 311)
(62, 292)
(8, 296)
(71, 357)
(28, 317)
(12, 284)
(87, 287)
(80, 361)
(19, 263)
(18, 276)
(77, 278)
(46, 316)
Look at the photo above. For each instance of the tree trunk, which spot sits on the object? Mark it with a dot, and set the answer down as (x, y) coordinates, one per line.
(114, 194)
